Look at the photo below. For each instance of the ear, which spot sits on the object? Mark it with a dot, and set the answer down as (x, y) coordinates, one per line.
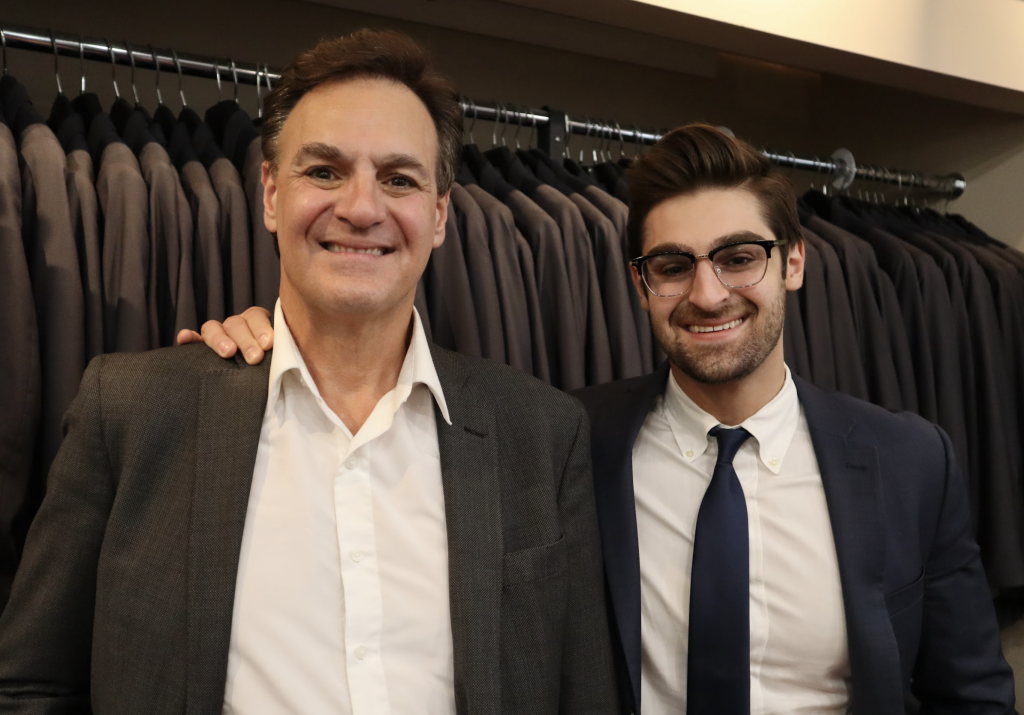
(795, 266)
(442, 218)
(269, 198)
(640, 287)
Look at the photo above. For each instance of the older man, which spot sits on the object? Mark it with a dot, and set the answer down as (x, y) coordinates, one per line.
(362, 524)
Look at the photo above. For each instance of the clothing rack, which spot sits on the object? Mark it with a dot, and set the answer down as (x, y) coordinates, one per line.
(554, 128)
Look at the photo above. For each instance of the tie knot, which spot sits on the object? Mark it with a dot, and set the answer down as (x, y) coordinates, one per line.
(729, 442)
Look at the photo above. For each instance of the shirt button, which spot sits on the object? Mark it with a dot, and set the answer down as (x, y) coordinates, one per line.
(360, 653)
(357, 556)
(689, 454)
(774, 461)
(350, 464)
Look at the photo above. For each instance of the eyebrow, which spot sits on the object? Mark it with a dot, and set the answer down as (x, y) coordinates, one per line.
(320, 151)
(738, 237)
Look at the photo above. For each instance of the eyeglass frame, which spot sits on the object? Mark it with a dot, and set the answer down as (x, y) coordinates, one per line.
(766, 244)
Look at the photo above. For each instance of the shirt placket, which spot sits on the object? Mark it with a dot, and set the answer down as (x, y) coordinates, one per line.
(749, 474)
(357, 545)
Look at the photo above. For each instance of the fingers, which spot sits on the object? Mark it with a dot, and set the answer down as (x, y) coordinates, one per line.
(189, 336)
(217, 340)
(239, 333)
(258, 320)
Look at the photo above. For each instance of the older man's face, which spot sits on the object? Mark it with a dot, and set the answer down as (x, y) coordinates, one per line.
(354, 201)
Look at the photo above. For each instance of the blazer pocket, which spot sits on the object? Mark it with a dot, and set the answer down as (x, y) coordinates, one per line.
(906, 596)
(535, 564)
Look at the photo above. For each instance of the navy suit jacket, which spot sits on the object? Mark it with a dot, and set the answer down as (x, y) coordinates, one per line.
(919, 615)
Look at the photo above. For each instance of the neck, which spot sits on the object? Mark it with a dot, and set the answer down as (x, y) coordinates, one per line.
(733, 402)
(353, 359)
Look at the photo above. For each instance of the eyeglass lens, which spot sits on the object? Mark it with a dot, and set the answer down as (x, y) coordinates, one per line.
(738, 266)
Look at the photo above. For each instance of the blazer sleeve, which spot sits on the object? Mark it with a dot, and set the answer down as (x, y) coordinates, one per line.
(588, 677)
(46, 629)
(960, 665)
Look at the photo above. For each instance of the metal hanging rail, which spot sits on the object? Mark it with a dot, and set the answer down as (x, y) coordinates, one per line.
(553, 127)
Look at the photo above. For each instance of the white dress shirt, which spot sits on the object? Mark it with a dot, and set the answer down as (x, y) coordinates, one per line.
(341, 604)
(798, 649)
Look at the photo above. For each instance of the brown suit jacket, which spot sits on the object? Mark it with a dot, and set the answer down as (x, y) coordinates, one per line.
(207, 262)
(56, 280)
(125, 597)
(266, 267)
(235, 248)
(170, 228)
(124, 202)
(19, 365)
(85, 221)
(480, 267)
(501, 239)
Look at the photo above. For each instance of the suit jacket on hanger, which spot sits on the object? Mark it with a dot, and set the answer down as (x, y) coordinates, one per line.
(501, 242)
(266, 266)
(850, 377)
(528, 269)
(453, 319)
(919, 615)
(794, 341)
(19, 366)
(483, 284)
(814, 308)
(234, 233)
(125, 597)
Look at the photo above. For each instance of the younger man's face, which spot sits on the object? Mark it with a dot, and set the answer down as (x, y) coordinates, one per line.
(697, 223)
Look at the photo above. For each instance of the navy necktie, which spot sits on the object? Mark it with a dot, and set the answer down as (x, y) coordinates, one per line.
(718, 671)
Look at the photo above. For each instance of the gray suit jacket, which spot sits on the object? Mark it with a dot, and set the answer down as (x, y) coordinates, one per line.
(124, 599)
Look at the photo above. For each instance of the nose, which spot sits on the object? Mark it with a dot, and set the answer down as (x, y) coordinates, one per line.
(707, 291)
(360, 201)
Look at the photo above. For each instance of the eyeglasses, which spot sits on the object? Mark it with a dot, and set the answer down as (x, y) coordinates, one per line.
(737, 265)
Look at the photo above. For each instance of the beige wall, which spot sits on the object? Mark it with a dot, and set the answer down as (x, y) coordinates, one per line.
(784, 109)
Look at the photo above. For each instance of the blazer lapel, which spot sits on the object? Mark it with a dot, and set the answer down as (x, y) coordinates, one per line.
(853, 491)
(472, 501)
(615, 424)
(231, 406)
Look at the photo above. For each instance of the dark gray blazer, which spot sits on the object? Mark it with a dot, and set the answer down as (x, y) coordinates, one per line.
(124, 598)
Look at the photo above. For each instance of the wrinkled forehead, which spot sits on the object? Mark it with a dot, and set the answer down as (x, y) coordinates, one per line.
(362, 117)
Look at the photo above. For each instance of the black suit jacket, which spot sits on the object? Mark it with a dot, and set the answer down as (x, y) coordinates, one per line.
(124, 599)
(919, 614)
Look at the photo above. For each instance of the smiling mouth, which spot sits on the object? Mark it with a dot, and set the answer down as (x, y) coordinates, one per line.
(715, 328)
(338, 248)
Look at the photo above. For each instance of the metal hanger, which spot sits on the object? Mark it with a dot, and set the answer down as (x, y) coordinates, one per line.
(234, 75)
(470, 104)
(259, 92)
(216, 71)
(622, 142)
(519, 127)
(177, 65)
(3, 44)
(156, 66)
(81, 63)
(56, 63)
(113, 68)
(131, 59)
(586, 135)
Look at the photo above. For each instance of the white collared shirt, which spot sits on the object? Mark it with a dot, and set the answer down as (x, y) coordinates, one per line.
(798, 649)
(341, 603)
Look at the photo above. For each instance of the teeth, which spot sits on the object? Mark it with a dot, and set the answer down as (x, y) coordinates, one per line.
(335, 248)
(715, 328)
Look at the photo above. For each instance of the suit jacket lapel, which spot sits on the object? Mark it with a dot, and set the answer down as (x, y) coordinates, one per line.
(472, 500)
(853, 491)
(231, 406)
(615, 424)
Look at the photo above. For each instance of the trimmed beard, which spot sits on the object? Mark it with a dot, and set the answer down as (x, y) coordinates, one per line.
(714, 365)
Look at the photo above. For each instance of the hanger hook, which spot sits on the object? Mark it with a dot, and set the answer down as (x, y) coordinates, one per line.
(216, 71)
(56, 62)
(259, 91)
(234, 75)
(519, 128)
(81, 62)
(568, 136)
(113, 67)
(156, 66)
(586, 134)
(3, 43)
(471, 107)
(131, 60)
(177, 65)
(536, 136)
(266, 76)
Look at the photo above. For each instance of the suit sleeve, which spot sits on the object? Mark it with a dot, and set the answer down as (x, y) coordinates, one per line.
(46, 629)
(588, 677)
(960, 666)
